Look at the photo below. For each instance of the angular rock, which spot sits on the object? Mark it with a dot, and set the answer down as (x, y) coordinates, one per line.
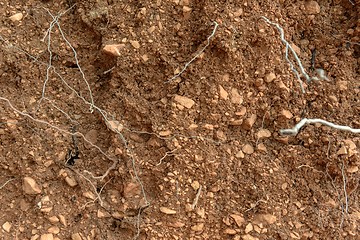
(312, 7)
(30, 186)
(248, 149)
(113, 49)
(249, 122)
(263, 133)
(223, 94)
(135, 44)
(236, 98)
(184, 101)
(197, 228)
(6, 226)
(16, 17)
(47, 236)
(239, 220)
(167, 210)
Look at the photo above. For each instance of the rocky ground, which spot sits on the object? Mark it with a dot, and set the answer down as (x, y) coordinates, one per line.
(161, 119)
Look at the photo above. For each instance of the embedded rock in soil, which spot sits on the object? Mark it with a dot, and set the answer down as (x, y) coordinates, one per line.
(30, 186)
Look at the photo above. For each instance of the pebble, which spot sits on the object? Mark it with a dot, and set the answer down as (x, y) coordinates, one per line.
(312, 7)
(223, 94)
(248, 149)
(240, 154)
(342, 151)
(195, 185)
(184, 101)
(261, 147)
(54, 230)
(7, 226)
(230, 231)
(249, 228)
(352, 169)
(270, 77)
(342, 85)
(113, 49)
(47, 236)
(71, 181)
(76, 236)
(164, 133)
(54, 219)
(135, 44)
(197, 228)
(114, 126)
(177, 224)
(269, 218)
(287, 114)
(248, 237)
(239, 220)
(30, 186)
(236, 98)
(263, 133)
(131, 189)
(167, 210)
(102, 214)
(16, 17)
(249, 122)
(62, 219)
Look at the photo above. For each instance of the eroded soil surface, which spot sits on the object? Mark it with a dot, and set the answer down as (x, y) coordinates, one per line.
(107, 144)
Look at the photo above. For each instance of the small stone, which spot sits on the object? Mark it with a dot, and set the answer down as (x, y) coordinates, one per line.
(261, 147)
(54, 230)
(195, 185)
(312, 7)
(282, 86)
(342, 85)
(220, 135)
(16, 17)
(176, 224)
(352, 169)
(135, 44)
(47, 236)
(209, 126)
(167, 210)
(223, 94)
(240, 154)
(248, 237)
(76, 236)
(186, 9)
(145, 57)
(89, 195)
(230, 231)
(54, 219)
(164, 133)
(102, 214)
(249, 122)
(239, 220)
(131, 189)
(287, 114)
(249, 228)
(197, 228)
(71, 181)
(201, 212)
(113, 49)
(269, 218)
(342, 151)
(236, 98)
(248, 149)
(184, 101)
(238, 13)
(62, 219)
(7, 226)
(263, 133)
(270, 77)
(30, 186)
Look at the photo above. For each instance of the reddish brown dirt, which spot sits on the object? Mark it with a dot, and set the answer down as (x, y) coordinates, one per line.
(199, 171)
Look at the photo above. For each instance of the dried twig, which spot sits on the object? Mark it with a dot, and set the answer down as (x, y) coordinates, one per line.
(197, 55)
(294, 131)
(2, 186)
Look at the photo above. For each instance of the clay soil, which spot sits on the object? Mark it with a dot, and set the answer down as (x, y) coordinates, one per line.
(109, 145)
